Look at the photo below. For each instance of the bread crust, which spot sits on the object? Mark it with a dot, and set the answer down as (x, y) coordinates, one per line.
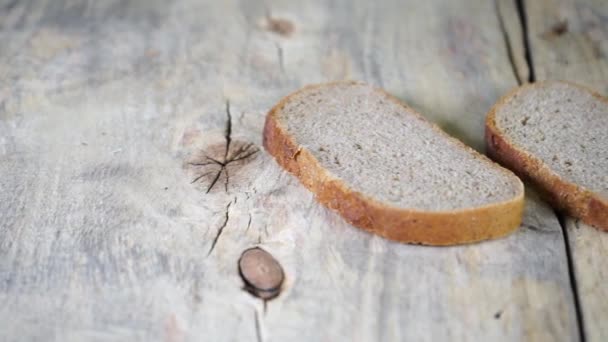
(574, 199)
(405, 225)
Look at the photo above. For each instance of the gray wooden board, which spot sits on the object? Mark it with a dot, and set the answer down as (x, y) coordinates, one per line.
(569, 40)
(103, 105)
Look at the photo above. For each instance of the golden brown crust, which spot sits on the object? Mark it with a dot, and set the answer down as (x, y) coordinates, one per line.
(572, 198)
(429, 228)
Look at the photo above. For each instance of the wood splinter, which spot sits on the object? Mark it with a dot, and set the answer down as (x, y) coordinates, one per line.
(261, 272)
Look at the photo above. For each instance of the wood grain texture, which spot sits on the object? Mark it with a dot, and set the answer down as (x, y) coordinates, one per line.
(512, 29)
(104, 106)
(569, 40)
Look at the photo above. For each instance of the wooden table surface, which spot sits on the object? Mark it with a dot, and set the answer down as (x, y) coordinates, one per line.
(104, 105)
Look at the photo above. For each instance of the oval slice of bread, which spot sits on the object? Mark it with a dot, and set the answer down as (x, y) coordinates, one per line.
(386, 169)
(556, 135)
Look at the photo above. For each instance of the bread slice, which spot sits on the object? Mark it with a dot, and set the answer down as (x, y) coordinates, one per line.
(556, 135)
(386, 169)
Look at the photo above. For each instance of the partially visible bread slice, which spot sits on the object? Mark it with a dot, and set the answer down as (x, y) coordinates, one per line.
(386, 169)
(556, 135)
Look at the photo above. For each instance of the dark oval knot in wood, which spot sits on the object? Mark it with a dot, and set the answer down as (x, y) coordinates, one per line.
(261, 272)
(558, 29)
(280, 26)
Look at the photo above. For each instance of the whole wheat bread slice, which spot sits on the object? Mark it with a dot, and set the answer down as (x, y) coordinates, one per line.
(556, 135)
(386, 169)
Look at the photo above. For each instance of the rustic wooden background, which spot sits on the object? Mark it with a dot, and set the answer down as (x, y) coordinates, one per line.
(103, 105)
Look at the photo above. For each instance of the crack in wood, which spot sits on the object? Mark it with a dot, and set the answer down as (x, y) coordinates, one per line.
(201, 176)
(523, 19)
(258, 329)
(243, 152)
(243, 149)
(227, 179)
(217, 176)
(228, 134)
(572, 275)
(521, 9)
(505, 36)
(221, 229)
(248, 223)
(213, 161)
(539, 229)
(280, 57)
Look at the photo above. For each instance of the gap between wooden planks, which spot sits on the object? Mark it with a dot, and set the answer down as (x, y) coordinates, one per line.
(569, 41)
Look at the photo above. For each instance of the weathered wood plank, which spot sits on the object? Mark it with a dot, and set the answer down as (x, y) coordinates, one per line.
(103, 105)
(569, 40)
(511, 25)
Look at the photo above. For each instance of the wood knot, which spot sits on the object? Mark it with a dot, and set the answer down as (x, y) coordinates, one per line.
(261, 273)
(217, 163)
(558, 29)
(279, 26)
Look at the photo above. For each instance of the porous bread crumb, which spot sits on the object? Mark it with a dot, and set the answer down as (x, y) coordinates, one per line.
(387, 152)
